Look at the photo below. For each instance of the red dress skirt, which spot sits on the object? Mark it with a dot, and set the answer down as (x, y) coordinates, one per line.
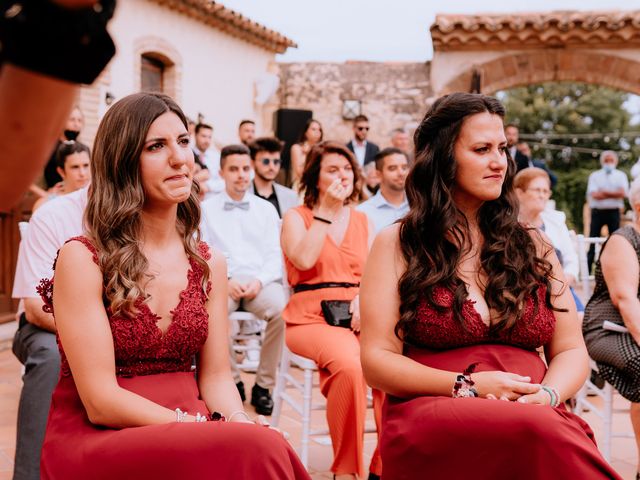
(451, 438)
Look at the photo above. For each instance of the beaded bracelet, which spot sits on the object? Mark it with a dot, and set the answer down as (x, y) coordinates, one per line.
(463, 386)
(180, 415)
(553, 394)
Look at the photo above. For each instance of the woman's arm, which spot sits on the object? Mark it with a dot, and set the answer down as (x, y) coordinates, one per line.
(566, 354)
(621, 272)
(86, 337)
(303, 246)
(216, 384)
(384, 365)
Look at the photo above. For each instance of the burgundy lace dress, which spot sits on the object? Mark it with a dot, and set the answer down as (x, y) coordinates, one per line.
(451, 438)
(157, 366)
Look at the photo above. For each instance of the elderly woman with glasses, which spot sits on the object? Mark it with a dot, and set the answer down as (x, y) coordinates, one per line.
(533, 189)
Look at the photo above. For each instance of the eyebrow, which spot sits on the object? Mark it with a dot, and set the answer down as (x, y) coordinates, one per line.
(162, 139)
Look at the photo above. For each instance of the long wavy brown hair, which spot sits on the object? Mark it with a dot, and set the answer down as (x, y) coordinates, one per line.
(435, 233)
(113, 215)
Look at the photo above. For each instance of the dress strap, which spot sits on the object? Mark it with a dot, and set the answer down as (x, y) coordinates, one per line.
(87, 243)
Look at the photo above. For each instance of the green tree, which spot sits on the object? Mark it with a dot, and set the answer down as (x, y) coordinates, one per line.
(563, 122)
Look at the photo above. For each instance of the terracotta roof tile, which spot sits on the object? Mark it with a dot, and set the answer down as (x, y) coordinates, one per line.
(558, 28)
(235, 24)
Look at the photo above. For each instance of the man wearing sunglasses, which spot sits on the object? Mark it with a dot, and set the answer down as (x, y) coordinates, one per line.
(364, 151)
(265, 158)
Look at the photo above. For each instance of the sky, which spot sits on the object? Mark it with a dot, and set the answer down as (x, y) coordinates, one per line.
(377, 30)
(382, 30)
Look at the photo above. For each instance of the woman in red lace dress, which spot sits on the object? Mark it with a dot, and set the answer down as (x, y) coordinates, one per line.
(134, 301)
(455, 301)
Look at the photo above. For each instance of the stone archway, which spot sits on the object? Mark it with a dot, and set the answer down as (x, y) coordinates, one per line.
(493, 52)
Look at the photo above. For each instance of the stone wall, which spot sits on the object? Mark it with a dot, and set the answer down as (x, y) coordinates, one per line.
(392, 95)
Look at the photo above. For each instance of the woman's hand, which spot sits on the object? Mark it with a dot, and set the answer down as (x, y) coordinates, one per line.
(503, 385)
(354, 310)
(333, 199)
(539, 398)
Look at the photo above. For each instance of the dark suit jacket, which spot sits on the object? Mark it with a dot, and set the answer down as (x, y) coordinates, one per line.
(522, 162)
(371, 150)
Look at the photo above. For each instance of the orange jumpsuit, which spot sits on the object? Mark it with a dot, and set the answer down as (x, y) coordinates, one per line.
(335, 350)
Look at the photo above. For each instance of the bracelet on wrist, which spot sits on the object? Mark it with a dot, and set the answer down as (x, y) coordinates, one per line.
(464, 385)
(323, 220)
(238, 412)
(553, 395)
(180, 415)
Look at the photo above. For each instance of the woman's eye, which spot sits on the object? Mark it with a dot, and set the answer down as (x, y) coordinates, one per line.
(503, 149)
(155, 146)
(482, 149)
(184, 141)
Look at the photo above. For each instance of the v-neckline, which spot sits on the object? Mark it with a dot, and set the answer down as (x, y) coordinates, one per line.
(172, 312)
(345, 232)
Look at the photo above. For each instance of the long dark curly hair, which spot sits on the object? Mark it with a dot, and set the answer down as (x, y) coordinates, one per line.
(435, 233)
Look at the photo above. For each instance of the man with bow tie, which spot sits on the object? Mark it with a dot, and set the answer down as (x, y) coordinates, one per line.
(246, 229)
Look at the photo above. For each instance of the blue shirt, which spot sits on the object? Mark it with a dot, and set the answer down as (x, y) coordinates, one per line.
(381, 212)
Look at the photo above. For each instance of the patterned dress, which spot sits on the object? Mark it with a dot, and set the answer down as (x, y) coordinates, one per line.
(157, 366)
(616, 354)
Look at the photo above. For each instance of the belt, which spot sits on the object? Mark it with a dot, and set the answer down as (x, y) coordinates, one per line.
(304, 287)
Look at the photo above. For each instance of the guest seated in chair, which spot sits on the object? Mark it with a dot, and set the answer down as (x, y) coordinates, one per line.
(127, 404)
(533, 190)
(246, 229)
(616, 303)
(325, 243)
(455, 300)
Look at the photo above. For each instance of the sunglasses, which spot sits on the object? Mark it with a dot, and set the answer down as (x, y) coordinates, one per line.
(266, 161)
(363, 128)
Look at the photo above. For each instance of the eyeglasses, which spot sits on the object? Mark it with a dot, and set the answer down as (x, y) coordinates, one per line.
(545, 192)
(366, 129)
(267, 161)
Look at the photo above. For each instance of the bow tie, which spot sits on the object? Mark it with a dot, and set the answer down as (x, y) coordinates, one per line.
(240, 205)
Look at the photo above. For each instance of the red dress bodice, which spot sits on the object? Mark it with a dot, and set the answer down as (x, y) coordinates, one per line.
(140, 347)
(440, 330)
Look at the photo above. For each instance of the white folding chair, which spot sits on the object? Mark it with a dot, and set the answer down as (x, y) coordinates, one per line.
(584, 404)
(247, 343)
(284, 380)
(587, 280)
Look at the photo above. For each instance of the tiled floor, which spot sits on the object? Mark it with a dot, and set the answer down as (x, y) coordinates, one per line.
(624, 452)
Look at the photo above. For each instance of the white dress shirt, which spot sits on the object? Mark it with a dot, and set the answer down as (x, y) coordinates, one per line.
(211, 158)
(250, 239)
(381, 212)
(601, 180)
(360, 151)
(50, 226)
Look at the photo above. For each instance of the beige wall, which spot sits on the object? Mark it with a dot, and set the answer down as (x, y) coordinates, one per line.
(214, 73)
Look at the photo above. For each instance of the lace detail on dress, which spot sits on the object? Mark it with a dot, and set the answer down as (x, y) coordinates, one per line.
(140, 347)
(437, 330)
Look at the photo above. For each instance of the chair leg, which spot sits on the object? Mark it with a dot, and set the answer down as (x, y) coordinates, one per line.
(607, 421)
(306, 416)
(281, 386)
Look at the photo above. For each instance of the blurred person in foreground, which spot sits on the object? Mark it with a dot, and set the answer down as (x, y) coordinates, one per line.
(455, 300)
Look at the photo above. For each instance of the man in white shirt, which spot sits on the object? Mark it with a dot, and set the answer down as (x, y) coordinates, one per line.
(246, 229)
(390, 203)
(34, 343)
(208, 156)
(606, 191)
